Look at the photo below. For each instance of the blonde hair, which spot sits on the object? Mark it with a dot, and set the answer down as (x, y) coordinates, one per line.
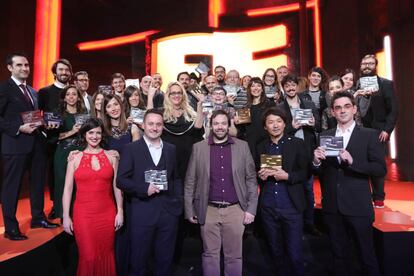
(188, 112)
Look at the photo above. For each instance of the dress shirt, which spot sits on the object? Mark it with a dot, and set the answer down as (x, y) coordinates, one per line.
(346, 133)
(155, 151)
(18, 83)
(86, 101)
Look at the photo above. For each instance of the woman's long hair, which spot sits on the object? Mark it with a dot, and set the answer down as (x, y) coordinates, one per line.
(188, 112)
(131, 89)
(123, 124)
(249, 91)
(94, 112)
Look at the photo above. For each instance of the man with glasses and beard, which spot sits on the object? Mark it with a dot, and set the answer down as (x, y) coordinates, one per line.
(380, 114)
(220, 194)
(49, 102)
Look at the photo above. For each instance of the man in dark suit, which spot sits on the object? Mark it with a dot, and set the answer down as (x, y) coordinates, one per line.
(81, 80)
(154, 211)
(22, 146)
(346, 195)
(292, 102)
(282, 196)
(380, 114)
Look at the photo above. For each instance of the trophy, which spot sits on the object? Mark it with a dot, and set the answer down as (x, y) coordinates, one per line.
(105, 89)
(33, 117)
(52, 119)
(270, 161)
(231, 90)
(270, 92)
(133, 82)
(244, 115)
(158, 178)
(369, 84)
(202, 68)
(80, 119)
(332, 144)
(196, 89)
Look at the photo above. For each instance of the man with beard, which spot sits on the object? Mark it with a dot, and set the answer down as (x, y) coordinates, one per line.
(381, 114)
(22, 147)
(282, 198)
(151, 92)
(220, 194)
(157, 82)
(81, 80)
(49, 102)
(346, 195)
(305, 132)
(220, 74)
(184, 79)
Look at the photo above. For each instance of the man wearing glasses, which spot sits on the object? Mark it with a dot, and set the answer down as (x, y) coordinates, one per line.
(81, 80)
(346, 195)
(381, 114)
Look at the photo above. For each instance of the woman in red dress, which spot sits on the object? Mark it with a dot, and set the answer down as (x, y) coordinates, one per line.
(96, 216)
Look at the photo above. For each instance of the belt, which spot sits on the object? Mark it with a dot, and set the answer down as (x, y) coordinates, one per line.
(221, 205)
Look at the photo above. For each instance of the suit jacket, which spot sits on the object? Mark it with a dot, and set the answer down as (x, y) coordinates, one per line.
(295, 162)
(135, 160)
(12, 104)
(308, 131)
(345, 188)
(382, 111)
(197, 181)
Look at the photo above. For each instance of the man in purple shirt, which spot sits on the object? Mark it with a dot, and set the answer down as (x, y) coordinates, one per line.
(221, 195)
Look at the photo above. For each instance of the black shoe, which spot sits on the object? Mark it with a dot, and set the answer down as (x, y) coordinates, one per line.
(15, 235)
(52, 214)
(311, 229)
(43, 224)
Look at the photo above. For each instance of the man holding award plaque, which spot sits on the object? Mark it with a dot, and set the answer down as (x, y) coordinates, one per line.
(220, 194)
(303, 121)
(148, 174)
(346, 195)
(22, 146)
(283, 169)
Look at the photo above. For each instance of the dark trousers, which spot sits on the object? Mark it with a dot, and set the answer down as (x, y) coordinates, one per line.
(310, 202)
(160, 237)
(14, 167)
(284, 231)
(340, 229)
(377, 183)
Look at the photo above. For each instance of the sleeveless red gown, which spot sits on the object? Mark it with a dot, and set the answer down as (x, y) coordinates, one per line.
(94, 216)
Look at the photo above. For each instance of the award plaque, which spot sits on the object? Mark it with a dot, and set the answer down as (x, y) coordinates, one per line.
(137, 115)
(202, 68)
(332, 144)
(196, 89)
(231, 90)
(105, 89)
(158, 178)
(133, 82)
(80, 119)
(369, 83)
(52, 118)
(33, 117)
(270, 161)
(208, 106)
(270, 92)
(303, 116)
(244, 115)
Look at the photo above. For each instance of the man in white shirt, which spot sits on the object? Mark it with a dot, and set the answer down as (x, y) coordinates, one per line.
(81, 80)
(346, 195)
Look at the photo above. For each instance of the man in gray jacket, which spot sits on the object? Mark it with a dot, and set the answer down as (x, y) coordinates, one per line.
(221, 195)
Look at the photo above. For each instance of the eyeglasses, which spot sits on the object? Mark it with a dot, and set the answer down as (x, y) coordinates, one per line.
(270, 76)
(176, 94)
(83, 80)
(367, 63)
(219, 93)
(345, 107)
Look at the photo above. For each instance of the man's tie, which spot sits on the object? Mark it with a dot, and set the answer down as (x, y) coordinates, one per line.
(26, 94)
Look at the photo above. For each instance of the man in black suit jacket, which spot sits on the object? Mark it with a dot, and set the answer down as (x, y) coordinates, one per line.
(22, 145)
(381, 114)
(282, 196)
(346, 196)
(154, 211)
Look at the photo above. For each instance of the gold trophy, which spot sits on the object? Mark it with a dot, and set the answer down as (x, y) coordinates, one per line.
(244, 115)
(270, 161)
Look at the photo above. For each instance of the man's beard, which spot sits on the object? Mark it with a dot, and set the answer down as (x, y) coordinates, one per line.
(370, 74)
(222, 137)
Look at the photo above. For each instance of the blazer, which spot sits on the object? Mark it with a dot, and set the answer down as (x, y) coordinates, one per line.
(295, 162)
(135, 160)
(12, 104)
(383, 110)
(345, 188)
(197, 180)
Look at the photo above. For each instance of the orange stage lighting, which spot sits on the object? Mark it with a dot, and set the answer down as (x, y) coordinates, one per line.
(215, 8)
(293, 8)
(278, 9)
(47, 40)
(116, 41)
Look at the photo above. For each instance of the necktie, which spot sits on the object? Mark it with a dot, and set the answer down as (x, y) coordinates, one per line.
(26, 94)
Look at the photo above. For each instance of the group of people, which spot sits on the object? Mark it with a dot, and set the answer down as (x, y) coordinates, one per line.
(206, 136)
